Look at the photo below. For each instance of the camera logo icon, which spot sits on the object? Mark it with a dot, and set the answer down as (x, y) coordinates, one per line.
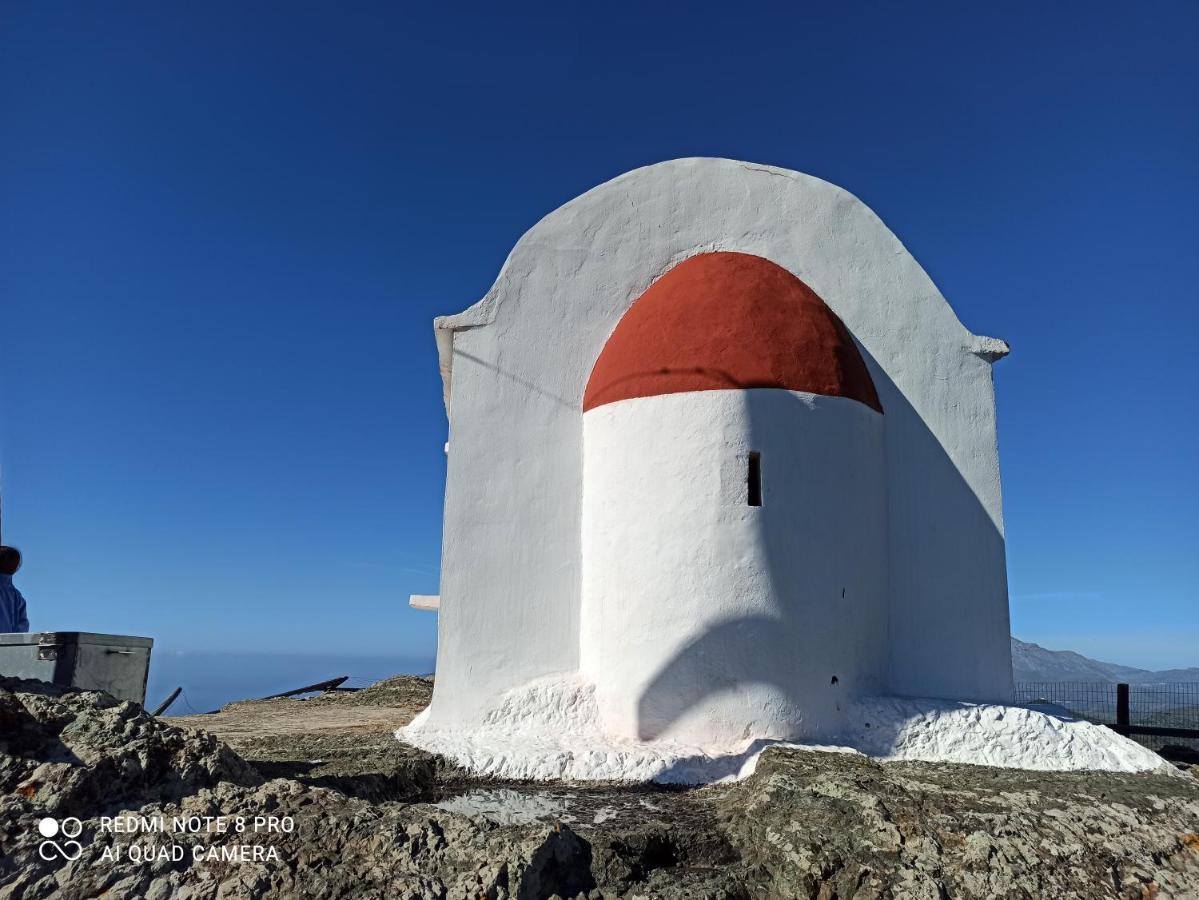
(68, 828)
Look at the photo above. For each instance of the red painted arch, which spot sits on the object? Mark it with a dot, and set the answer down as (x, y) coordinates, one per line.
(728, 321)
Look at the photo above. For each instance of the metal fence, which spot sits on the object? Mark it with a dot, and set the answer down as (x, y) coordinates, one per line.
(1153, 714)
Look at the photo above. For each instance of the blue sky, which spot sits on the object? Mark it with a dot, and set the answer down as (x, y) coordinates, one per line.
(225, 229)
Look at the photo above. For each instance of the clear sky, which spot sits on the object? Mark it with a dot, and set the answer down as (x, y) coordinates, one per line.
(225, 229)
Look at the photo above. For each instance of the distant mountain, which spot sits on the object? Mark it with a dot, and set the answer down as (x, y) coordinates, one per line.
(1032, 662)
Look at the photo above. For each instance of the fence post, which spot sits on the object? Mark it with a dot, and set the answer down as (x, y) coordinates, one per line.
(1122, 717)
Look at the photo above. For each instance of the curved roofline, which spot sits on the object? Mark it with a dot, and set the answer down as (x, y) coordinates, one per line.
(729, 321)
(483, 312)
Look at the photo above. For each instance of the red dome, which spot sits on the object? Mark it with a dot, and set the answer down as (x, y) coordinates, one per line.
(727, 321)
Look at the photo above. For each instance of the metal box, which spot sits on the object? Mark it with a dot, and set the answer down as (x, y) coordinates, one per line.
(116, 663)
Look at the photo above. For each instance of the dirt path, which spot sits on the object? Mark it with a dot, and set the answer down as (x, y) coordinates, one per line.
(341, 739)
(241, 722)
(381, 707)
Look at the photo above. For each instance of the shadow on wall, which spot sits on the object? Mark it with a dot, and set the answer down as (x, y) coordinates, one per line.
(523, 382)
(934, 638)
(949, 634)
(720, 378)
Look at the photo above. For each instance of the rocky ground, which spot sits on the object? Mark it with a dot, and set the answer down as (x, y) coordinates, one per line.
(360, 815)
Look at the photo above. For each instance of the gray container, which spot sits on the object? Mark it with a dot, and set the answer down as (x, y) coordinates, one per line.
(116, 663)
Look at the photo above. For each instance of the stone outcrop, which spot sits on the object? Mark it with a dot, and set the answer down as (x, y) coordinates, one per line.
(372, 819)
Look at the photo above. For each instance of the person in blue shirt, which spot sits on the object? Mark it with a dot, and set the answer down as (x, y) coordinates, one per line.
(12, 604)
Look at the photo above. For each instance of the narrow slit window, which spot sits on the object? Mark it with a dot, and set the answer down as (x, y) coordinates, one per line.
(755, 478)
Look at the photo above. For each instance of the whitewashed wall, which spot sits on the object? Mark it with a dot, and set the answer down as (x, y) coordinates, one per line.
(516, 363)
(708, 620)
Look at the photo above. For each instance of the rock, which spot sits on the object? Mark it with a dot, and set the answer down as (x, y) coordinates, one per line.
(844, 826)
(64, 751)
(807, 824)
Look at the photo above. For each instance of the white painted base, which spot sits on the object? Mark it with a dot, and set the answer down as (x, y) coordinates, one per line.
(548, 730)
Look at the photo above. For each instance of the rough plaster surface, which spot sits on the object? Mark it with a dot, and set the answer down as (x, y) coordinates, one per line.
(711, 621)
(549, 729)
(515, 366)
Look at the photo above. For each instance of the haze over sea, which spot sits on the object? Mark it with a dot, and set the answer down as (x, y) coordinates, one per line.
(211, 679)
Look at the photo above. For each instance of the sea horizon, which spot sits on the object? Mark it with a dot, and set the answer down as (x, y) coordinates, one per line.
(211, 679)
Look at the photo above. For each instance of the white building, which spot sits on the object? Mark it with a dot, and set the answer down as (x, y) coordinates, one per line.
(720, 451)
